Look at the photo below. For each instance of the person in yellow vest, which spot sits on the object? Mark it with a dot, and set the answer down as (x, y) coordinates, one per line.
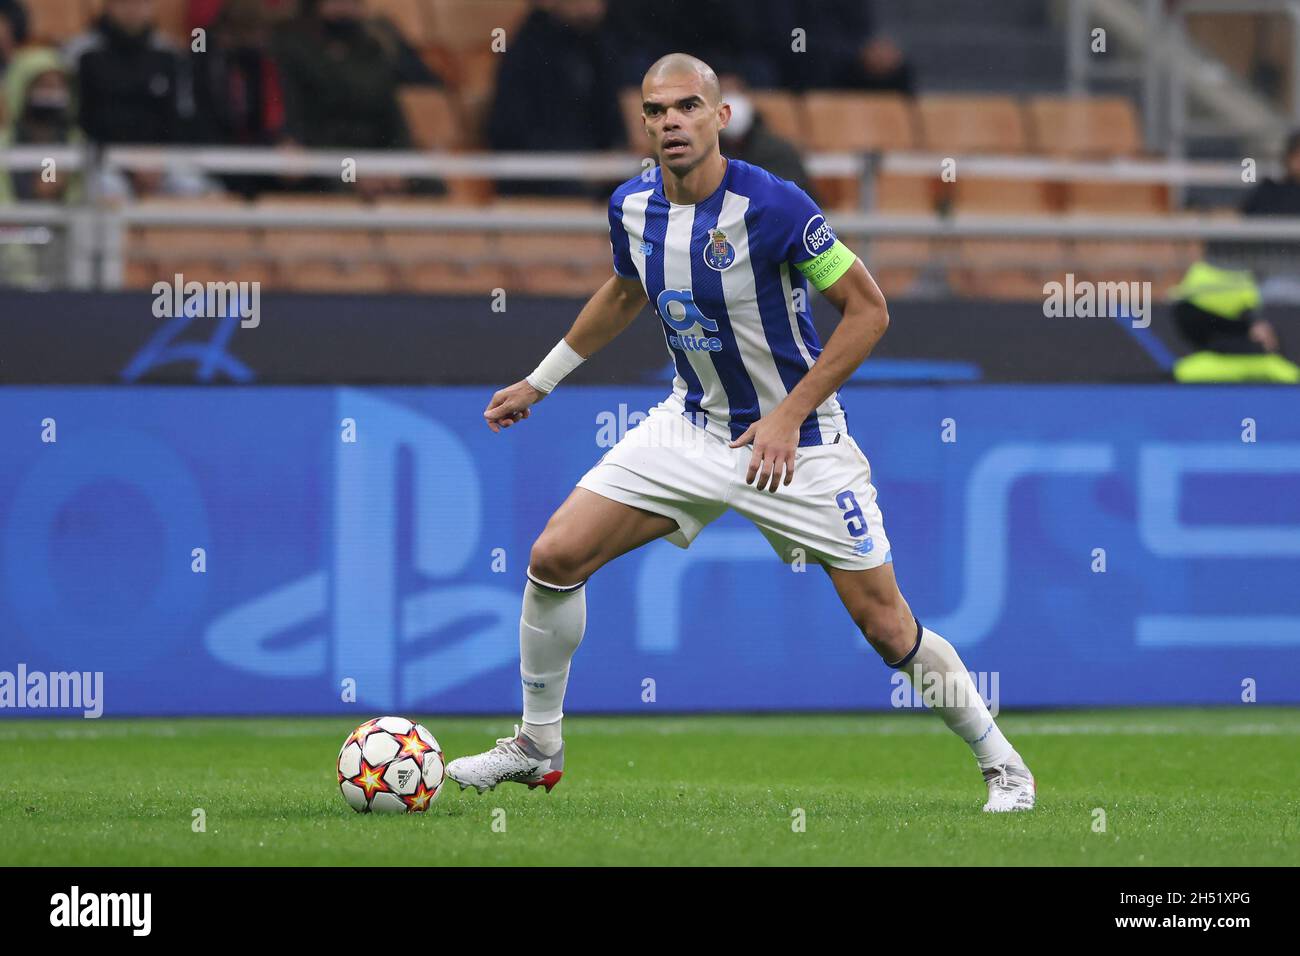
(1216, 312)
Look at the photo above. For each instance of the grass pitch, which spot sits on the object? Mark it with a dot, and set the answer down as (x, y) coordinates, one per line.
(1202, 787)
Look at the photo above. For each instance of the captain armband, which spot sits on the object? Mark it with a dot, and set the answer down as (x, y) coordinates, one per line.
(825, 269)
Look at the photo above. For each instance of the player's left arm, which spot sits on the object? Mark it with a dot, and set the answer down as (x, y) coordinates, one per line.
(846, 283)
(864, 318)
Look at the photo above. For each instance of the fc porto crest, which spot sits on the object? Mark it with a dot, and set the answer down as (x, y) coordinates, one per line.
(719, 254)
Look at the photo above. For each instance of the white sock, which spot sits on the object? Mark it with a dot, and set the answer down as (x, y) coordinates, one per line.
(550, 629)
(956, 698)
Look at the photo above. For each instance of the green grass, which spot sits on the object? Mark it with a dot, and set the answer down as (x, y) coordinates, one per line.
(1209, 787)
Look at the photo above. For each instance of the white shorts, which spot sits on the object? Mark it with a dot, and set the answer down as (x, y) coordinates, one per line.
(673, 467)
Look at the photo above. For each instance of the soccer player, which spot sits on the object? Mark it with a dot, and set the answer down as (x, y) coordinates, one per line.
(723, 251)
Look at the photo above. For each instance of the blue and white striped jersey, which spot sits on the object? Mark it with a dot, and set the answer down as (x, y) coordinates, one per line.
(722, 277)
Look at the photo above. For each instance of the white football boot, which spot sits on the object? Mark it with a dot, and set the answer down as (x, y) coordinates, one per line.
(514, 759)
(1011, 786)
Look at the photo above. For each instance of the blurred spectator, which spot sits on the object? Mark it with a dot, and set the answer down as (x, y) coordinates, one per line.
(842, 48)
(13, 30)
(38, 104)
(729, 35)
(1279, 197)
(340, 73)
(1216, 311)
(236, 85)
(747, 138)
(134, 87)
(557, 89)
(1280, 276)
(340, 76)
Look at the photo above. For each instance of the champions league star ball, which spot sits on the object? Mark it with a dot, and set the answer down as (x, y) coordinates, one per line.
(390, 765)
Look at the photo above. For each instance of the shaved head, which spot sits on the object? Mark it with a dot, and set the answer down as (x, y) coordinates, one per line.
(676, 64)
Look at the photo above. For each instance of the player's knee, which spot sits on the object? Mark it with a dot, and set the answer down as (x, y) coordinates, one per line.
(557, 561)
(882, 625)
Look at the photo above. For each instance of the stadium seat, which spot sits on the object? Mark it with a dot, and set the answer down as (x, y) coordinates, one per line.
(339, 276)
(1007, 269)
(1117, 199)
(412, 17)
(141, 272)
(54, 21)
(444, 262)
(1007, 197)
(173, 20)
(860, 122)
(1160, 262)
(1084, 126)
(556, 264)
(467, 25)
(899, 193)
(961, 125)
(315, 243)
(210, 240)
(433, 118)
(895, 264)
(782, 114)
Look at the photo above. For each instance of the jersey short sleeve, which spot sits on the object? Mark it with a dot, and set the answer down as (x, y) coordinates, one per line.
(618, 240)
(810, 245)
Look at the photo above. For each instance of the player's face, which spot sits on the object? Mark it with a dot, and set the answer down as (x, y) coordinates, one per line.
(680, 120)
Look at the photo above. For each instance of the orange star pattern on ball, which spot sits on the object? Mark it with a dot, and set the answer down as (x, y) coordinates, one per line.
(412, 745)
(371, 780)
(419, 801)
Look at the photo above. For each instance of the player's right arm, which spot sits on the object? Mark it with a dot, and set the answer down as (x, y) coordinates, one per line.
(602, 319)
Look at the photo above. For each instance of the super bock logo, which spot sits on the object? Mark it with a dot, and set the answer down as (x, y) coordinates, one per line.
(719, 254)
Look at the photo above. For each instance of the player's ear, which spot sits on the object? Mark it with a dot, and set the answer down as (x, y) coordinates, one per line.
(724, 115)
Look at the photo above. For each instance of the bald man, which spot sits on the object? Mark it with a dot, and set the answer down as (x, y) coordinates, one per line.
(724, 252)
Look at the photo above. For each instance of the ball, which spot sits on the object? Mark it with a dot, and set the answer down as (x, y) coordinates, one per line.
(390, 765)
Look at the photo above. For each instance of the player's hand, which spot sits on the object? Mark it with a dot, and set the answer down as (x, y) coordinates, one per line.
(776, 442)
(511, 404)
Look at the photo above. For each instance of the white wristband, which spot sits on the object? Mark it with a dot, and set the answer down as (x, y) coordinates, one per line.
(560, 362)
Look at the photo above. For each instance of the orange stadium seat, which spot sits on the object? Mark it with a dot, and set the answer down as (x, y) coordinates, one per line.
(1010, 269)
(445, 262)
(1117, 199)
(1084, 126)
(861, 122)
(782, 114)
(339, 276)
(1161, 262)
(173, 19)
(467, 25)
(54, 21)
(899, 193)
(412, 17)
(896, 263)
(958, 125)
(141, 272)
(1009, 197)
(556, 264)
(432, 117)
(210, 240)
(315, 243)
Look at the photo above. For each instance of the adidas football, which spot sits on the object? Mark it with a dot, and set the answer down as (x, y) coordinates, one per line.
(390, 765)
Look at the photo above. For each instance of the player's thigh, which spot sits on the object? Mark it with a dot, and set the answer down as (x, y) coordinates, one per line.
(589, 530)
(876, 605)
